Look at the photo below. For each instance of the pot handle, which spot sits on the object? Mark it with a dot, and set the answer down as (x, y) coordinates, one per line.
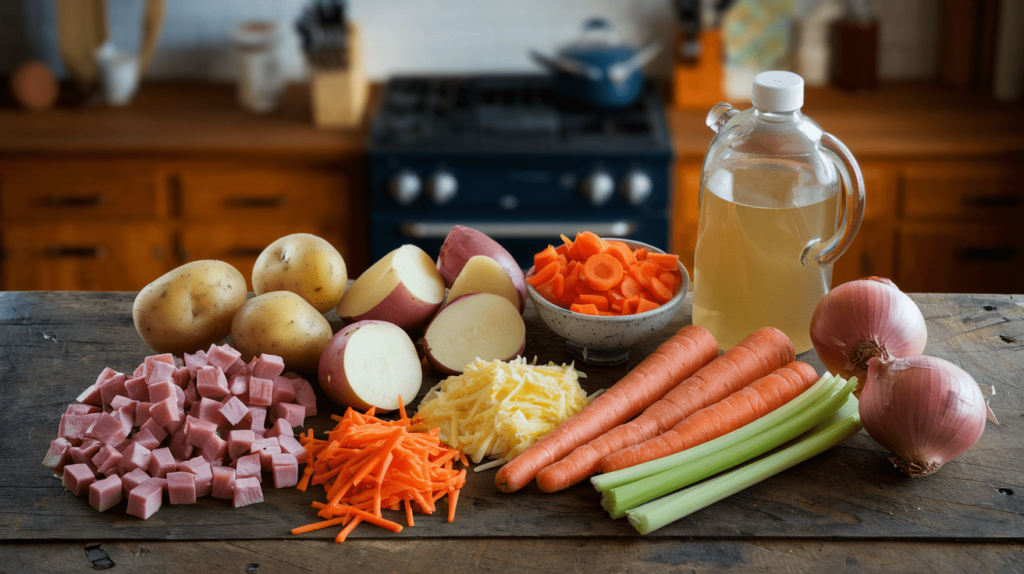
(567, 66)
(620, 72)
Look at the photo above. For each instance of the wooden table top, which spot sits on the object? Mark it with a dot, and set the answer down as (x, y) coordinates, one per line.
(846, 509)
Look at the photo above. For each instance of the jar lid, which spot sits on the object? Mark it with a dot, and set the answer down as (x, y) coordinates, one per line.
(778, 91)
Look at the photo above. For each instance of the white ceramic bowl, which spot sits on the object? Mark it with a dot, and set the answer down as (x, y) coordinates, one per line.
(607, 340)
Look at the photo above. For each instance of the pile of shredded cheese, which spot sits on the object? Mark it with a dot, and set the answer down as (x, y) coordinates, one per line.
(499, 409)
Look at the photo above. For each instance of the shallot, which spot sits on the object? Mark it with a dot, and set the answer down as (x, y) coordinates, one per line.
(863, 319)
(923, 409)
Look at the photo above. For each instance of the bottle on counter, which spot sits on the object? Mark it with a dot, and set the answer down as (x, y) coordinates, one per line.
(780, 201)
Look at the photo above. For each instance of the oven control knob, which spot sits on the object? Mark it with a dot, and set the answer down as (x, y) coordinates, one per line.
(405, 187)
(443, 187)
(598, 187)
(636, 187)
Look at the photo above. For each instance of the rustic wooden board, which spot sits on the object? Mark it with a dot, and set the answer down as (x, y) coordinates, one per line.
(53, 345)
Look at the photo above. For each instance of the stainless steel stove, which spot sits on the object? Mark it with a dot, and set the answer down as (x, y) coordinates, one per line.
(503, 155)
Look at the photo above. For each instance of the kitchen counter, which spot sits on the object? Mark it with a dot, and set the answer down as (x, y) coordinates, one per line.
(845, 510)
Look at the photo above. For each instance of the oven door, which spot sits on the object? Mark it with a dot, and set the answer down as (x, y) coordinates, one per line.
(521, 237)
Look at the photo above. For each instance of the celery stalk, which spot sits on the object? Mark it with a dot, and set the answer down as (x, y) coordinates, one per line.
(622, 498)
(814, 395)
(655, 514)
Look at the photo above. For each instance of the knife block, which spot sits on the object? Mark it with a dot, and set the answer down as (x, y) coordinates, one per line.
(338, 95)
(699, 83)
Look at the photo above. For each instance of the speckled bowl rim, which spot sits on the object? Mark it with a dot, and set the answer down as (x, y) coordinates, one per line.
(675, 301)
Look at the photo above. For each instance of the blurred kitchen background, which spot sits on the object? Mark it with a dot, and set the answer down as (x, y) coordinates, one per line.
(141, 134)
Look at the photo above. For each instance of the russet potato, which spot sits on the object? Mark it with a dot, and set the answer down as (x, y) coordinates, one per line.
(189, 308)
(304, 264)
(281, 323)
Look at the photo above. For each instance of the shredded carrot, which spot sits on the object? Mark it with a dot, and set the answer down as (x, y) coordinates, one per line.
(367, 464)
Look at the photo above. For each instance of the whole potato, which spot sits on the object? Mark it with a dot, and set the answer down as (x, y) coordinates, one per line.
(189, 308)
(304, 264)
(281, 323)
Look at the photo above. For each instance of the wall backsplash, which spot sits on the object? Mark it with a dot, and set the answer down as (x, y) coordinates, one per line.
(419, 36)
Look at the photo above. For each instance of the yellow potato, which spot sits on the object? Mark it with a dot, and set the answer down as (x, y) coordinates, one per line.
(189, 308)
(304, 264)
(281, 323)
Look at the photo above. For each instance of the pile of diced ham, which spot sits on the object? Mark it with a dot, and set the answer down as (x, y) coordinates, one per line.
(182, 430)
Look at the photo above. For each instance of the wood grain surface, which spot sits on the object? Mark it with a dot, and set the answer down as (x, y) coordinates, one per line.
(53, 345)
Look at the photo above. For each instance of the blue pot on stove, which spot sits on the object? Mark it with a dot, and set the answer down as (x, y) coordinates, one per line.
(597, 70)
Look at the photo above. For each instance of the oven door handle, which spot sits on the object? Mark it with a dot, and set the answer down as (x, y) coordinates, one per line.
(520, 230)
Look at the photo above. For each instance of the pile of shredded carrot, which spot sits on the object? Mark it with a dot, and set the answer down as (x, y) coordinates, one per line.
(595, 276)
(367, 464)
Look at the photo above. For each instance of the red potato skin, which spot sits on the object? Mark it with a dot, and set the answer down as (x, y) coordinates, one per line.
(447, 371)
(339, 391)
(465, 242)
(399, 308)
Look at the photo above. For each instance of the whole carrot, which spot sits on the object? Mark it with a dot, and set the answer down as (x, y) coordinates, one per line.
(680, 356)
(738, 409)
(760, 353)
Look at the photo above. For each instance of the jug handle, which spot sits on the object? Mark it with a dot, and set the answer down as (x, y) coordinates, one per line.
(824, 253)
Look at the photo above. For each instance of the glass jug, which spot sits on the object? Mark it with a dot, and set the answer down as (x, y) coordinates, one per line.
(780, 201)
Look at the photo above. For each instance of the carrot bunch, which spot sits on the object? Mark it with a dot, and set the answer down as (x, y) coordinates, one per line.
(367, 464)
(595, 276)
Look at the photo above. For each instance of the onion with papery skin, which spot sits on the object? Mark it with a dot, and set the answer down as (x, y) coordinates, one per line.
(863, 319)
(925, 410)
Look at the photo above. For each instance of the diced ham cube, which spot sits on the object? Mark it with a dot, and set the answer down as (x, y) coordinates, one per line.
(84, 453)
(77, 478)
(91, 396)
(191, 394)
(267, 455)
(281, 427)
(256, 420)
(268, 367)
(160, 372)
(106, 459)
(182, 377)
(162, 391)
(155, 429)
(161, 461)
(199, 432)
(223, 482)
(59, 454)
(106, 493)
(142, 415)
(285, 470)
(130, 480)
(179, 445)
(111, 388)
(215, 449)
(108, 430)
(203, 471)
(137, 389)
(305, 396)
(80, 409)
(261, 392)
(179, 396)
(121, 401)
(293, 447)
(107, 375)
(238, 366)
(181, 487)
(74, 427)
(248, 466)
(135, 456)
(233, 410)
(211, 383)
(139, 371)
(209, 410)
(284, 391)
(125, 414)
(145, 499)
(291, 412)
(247, 491)
(146, 438)
(195, 362)
(238, 384)
(165, 412)
(223, 356)
(239, 442)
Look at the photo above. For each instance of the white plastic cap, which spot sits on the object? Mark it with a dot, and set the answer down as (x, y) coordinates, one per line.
(778, 91)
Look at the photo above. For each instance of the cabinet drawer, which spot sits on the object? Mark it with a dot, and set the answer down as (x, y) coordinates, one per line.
(240, 244)
(85, 256)
(959, 190)
(41, 191)
(959, 258)
(261, 194)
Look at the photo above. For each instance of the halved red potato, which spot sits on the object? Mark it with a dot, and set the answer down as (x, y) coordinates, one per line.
(403, 287)
(482, 274)
(479, 325)
(463, 243)
(370, 364)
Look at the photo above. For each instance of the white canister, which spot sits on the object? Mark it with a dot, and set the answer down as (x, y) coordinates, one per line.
(260, 78)
(119, 74)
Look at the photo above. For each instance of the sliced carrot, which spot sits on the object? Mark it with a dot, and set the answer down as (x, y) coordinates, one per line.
(598, 301)
(637, 274)
(644, 305)
(544, 274)
(629, 287)
(602, 272)
(553, 288)
(662, 293)
(586, 309)
(666, 260)
(622, 252)
(640, 253)
(589, 244)
(544, 257)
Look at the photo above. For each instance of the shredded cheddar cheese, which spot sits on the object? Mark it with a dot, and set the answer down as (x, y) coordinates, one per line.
(499, 409)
